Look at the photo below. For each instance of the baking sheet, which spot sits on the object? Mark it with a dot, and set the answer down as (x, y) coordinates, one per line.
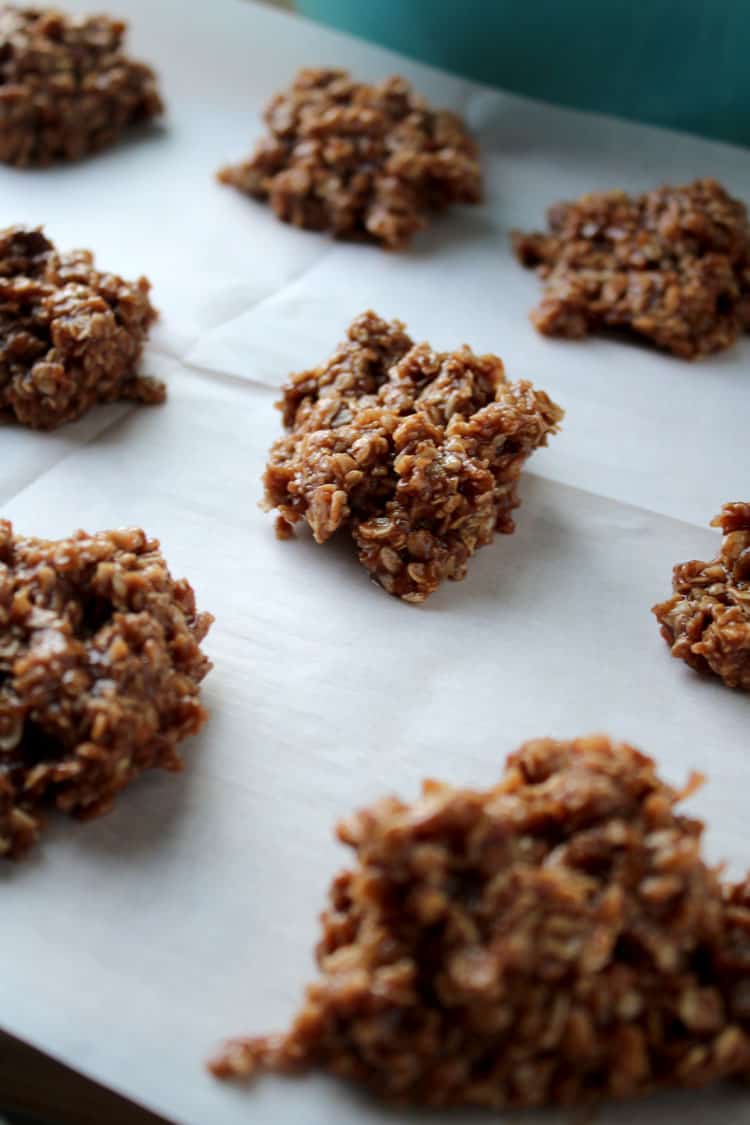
(133, 945)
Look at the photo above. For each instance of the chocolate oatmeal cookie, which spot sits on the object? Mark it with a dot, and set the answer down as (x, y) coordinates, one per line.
(100, 668)
(70, 336)
(555, 939)
(707, 621)
(672, 265)
(416, 453)
(66, 88)
(357, 160)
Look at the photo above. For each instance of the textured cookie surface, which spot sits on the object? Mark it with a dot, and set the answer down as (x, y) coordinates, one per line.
(416, 453)
(66, 87)
(359, 161)
(707, 620)
(672, 266)
(555, 939)
(71, 336)
(100, 667)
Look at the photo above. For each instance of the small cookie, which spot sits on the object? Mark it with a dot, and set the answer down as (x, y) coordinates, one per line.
(672, 266)
(359, 161)
(66, 88)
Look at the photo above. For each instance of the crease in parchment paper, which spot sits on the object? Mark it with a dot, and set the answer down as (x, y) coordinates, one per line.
(209, 343)
(231, 304)
(214, 373)
(645, 509)
(51, 449)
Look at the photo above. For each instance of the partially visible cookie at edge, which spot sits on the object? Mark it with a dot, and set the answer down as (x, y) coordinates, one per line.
(71, 336)
(100, 672)
(706, 622)
(671, 266)
(359, 161)
(67, 88)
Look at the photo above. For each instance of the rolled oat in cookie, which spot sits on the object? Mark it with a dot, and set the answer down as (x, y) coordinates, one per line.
(415, 453)
(672, 266)
(66, 88)
(358, 161)
(70, 335)
(555, 939)
(100, 668)
(707, 620)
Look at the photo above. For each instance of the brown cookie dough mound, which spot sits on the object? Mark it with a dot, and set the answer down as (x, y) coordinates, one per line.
(417, 453)
(672, 265)
(555, 939)
(100, 669)
(66, 88)
(70, 336)
(707, 621)
(358, 160)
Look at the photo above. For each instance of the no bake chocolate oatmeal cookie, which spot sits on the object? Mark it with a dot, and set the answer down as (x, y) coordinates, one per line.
(66, 88)
(707, 621)
(416, 453)
(359, 160)
(672, 265)
(100, 668)
(70, 336)
(555, 939)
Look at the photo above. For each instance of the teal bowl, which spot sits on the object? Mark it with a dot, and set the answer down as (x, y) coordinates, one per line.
(680, 63)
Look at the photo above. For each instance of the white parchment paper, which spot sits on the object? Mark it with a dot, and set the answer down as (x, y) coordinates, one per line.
(131, 946)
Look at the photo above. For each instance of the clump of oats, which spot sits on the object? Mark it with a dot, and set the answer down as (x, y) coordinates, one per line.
(554, 939)
(415, 453)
